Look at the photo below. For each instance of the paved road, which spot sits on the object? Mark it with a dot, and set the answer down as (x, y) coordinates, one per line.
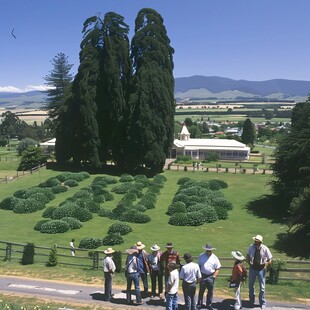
(75, 294)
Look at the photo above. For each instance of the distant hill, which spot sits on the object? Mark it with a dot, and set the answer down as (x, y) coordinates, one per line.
(200, 88)
(217, 88)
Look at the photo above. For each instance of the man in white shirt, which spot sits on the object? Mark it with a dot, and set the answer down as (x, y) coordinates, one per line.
(108, 269)
(172, 287)
(191, 275)
(209, 265)
(258, 257)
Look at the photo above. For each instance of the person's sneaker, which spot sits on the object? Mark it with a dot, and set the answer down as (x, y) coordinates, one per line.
(139, 302)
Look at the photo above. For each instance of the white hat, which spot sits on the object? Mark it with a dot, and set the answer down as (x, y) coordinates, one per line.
(155, 247)
(109, 251)
(258, 238)
(237, 255)
(140, 245)
(208, 247)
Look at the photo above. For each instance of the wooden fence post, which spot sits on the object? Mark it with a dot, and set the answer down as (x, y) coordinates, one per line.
(8, 251)
(96, 261)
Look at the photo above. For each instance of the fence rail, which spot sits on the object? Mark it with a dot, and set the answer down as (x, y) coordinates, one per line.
(10, 251)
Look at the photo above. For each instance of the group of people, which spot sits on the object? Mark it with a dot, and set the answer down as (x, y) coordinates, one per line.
(165, 270)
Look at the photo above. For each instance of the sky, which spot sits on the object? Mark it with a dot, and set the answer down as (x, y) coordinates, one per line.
(252, 40)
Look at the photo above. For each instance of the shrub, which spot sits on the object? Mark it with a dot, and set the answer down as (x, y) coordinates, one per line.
(51, 182)
(222, 213)
(63, 177)
(210, 215)
(40, 197)
(9, 203)
(103, 212)
(178, 219)
(59, 189)
(183, 158)
(21, 193)
(99, 198)
(133, 216)
(130, 196)
(92, 206)
(190, 191)
(71, 183)
(90, 243)
(195, 218)
(159, 178)
(113, 239)
(136, 191)
(97, 189)
(28, 206)
(122, 188)
(221, 183)
(84, 175)
(52, 258)
(140, 207)
(183, 180)
(183, 198)
(54, 227)
(126, 178)
(48, 212)
(108, 196)
(109, 180)
(66, 210)
(148, 201)
(73, 222)
(176, 207)
(83, 214)
(28, 254)
(82, 194)
(222, 202)
(140, 177)
(38, 226)
(121, 228)
(100, 183)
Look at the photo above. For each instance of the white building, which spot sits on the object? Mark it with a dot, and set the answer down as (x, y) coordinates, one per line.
(200, 148)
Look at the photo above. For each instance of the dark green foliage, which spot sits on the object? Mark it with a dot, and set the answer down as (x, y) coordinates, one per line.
(126, 178)
(63, 177)
(221, 183)
(48, 212)
(133, 216)
(97, 189)
(71, 183)
(73, 222)
(28, 254)
(183, 198)
(117, 258)
(46, 191)
(21, 193)
(82, 194)
(140, 207)
(32, 157)
(82, 214)
(24, 143)
(108, 179)
(159, 179)
(148, 201)
(249, 133)
(59, 189)
(122, 188)
(54, 227)
(136, 191)
(210, 215)
(99, 199)
(195, 218)
(140, 177)
(113, 239)
(130, 196)
(183, 180)
(103, 212)
(92, 206)
(176, 207)
(28, 206)
(190, 191)
(39, 197)
(90, 243)
(50, 182)
(222, 202)
(121, 228)
(52, 258)
(108, 196)
(178, 219)
(9, 203)
(221, 212)
(38, 226)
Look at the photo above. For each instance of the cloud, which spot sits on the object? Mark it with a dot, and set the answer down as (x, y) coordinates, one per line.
(13, 89)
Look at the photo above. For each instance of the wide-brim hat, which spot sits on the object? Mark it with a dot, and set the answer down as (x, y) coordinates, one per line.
(237, 255)
(132, 250)
(109, 251)
(155, 247)
(258, 238)
(140, 245)
(208, 247)
(169, 245)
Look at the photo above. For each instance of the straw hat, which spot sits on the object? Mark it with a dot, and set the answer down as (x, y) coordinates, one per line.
(258, 238)
(155, 247)
(132, 250)
(140, 245)
(238, 255)
(109, 251)
(208, 247)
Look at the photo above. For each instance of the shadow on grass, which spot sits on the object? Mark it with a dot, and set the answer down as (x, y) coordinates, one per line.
(270, 207)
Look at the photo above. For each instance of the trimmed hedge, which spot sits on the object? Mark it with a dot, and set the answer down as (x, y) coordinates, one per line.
(9, 203)
(54, 227)
(59, 189)
(176, 207)
(121, 228)
(48, 212)
(73, 222)
(133, 216)
(178, 219)
(90, 243)
(113, 239)
(71, 183)
(38, 226)
(126, 178)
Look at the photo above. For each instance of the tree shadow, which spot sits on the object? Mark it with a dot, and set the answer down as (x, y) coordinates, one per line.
(270, 207)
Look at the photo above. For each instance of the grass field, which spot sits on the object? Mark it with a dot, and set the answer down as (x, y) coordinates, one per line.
(234, 233)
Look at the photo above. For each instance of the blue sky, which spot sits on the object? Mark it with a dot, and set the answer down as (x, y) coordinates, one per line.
(240, 39)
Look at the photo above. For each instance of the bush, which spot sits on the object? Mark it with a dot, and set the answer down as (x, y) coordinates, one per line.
(108, 196)
(9, 203)
(28, 254)
(221, 183)
(130, 196)
(97, 189)
(121, 228)
(103, 212)
(92, 206)
(28, 206)
(126, 178)
(90, 243)
(52, 258)
(109, 180)
(190, 191)
(184, 159)
(133, 216)
(99, 199)
(54, 227)
(59, 189)
(222, 213)
(63, 177)
(73, 222)
(21, 193)
(159, 178)
(82, 214)
(222, 202)
(183, 198)
(48, 212)
(195, 218)
(51, 182)
(113, 239)
(176, 207)
(148, 201)
(71, 183)
(183, 180)
(178, 219)
(210, 215)
(122, 188)
(82, 194)
(38, 226)
(140, 207)
(39, 197)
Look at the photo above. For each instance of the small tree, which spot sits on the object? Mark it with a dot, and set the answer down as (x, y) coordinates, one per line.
(24, 143)
(31, 157)
(28, 254)
(52, 258)
(248, 134)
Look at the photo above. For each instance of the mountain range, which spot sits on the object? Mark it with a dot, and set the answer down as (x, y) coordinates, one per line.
(196, 88)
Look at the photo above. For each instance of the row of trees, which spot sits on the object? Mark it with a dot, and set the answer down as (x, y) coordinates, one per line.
(120, 105)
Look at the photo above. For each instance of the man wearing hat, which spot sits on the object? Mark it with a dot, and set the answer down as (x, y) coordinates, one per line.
(209, 265)
(154, 267)
(143, 267)
(132, 275)
(168, 256)
(236, 277)
(108, 269)
(191, 275)
(258, 257)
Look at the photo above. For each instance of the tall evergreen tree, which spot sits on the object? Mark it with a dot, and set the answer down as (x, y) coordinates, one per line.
(152, 122)
(248, 134)
(58, 80)
(86, 140)
(114, 88)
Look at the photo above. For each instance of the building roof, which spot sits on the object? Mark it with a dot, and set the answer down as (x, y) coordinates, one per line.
(209, 143)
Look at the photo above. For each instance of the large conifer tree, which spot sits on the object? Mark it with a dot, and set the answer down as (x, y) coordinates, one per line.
(152, 122)
(248, 133)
